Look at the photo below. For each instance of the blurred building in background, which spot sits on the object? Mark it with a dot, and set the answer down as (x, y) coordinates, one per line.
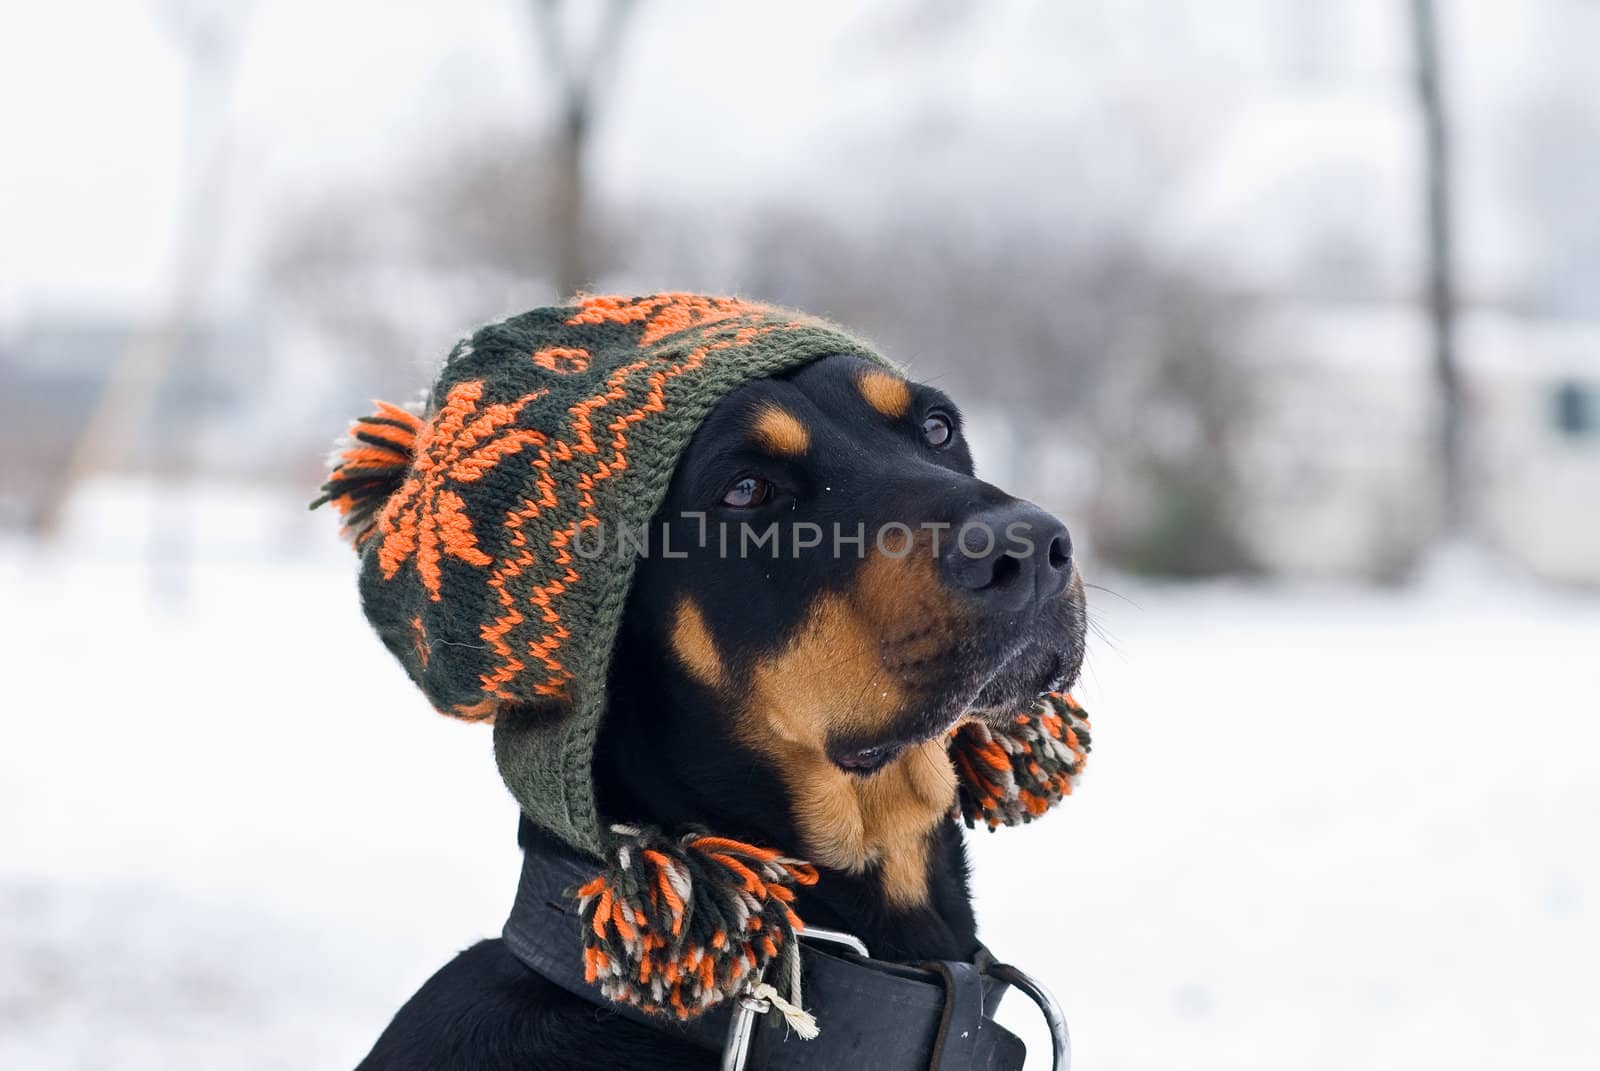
(1169, 256)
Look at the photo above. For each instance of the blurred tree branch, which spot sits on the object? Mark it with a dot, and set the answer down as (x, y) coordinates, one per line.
(387, 272)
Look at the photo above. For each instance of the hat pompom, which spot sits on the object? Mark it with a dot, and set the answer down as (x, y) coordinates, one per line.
(1011, 776)
(677, 925)
(369, 467)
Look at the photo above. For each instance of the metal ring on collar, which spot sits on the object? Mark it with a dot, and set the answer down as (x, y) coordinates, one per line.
(836, 937)
(1036, 992)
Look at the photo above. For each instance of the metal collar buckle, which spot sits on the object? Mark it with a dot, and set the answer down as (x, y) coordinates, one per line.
(741, 1028)
(747, 1006)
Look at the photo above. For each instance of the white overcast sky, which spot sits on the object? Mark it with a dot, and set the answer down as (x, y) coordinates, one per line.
(92, 118)
(762, 101)
(341, 91)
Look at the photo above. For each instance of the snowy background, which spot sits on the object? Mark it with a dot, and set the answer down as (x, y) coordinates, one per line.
(1167, 255)
(1323, 827)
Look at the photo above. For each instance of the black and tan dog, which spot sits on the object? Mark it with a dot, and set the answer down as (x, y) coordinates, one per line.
(799, 699)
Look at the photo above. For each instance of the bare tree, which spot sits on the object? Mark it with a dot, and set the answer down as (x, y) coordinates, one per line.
(578, 78)
(506, 216)
(1441, 289)
(1111, 354)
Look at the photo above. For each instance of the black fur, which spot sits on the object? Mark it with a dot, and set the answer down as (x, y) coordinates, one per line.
(668, 755)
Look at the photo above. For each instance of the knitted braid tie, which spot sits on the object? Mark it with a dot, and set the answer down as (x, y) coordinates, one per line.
(370, 466)
(677, 925)
(1010, 777)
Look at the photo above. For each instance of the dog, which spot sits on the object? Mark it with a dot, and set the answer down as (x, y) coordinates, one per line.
(797, 693)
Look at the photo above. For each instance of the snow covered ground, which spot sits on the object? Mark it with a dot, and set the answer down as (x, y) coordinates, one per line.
(1321, 829)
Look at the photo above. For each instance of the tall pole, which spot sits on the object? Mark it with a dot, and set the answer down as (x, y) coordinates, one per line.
(1441, 288)
(208, 39)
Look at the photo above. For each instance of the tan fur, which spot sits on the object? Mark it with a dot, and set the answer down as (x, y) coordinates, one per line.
(781, 432)
(830, 680)
(889, 395)
(692, 643)
(900, 805)
(851, 822)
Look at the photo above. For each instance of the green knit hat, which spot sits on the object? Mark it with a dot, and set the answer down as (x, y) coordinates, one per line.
(540, 428)
(471, 520)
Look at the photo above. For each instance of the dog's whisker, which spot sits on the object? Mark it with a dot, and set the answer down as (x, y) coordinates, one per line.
(1113, 594)
(1101, 633)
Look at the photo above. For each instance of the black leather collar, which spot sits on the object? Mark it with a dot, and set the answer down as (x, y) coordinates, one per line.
(872, 1013)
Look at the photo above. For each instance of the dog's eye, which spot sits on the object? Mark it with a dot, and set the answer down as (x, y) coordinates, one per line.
(747, 492)
(937, 430)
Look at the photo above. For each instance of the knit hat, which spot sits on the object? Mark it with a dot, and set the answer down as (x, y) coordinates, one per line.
(467, 517)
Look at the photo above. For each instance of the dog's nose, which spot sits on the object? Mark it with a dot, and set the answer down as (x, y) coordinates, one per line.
(1008, 557)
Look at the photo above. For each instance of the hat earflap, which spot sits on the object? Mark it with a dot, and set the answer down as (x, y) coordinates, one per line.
(676, 925)
(1011, 776)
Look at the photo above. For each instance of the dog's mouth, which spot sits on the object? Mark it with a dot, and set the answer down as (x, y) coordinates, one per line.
(866, 760)
(999, 696)
(952, 669)
(1001, 700)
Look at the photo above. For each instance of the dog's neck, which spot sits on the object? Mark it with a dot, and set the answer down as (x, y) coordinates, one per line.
(669, 760)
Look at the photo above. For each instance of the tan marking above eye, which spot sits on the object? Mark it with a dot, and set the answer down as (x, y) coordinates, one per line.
(692, 643)
(889, 395)
(781, 432)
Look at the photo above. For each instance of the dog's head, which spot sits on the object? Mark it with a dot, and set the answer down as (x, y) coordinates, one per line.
(830, 578)
(826, 588)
